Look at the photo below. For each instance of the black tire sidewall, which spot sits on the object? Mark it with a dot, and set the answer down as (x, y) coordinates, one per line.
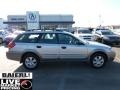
(30, 55)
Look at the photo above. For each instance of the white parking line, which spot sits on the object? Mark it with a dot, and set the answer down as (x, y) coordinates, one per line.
(118, 59)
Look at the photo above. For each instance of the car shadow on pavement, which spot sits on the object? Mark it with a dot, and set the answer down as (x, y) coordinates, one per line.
(74, 76)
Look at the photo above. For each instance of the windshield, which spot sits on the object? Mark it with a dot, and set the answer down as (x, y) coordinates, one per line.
(107, 33)
(84, 31)
(101, 29)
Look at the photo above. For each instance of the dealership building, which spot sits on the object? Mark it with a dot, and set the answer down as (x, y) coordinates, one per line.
(34, 20)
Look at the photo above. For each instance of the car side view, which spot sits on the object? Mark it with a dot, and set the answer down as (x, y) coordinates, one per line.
(31, 48)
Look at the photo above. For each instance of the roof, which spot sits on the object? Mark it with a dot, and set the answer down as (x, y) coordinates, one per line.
(49, 31)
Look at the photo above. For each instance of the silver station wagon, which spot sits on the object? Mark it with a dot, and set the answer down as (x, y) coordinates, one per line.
(31, 48)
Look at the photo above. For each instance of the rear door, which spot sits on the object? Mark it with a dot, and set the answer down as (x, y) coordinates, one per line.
(71, 48)
(48, 46)
(43, 44)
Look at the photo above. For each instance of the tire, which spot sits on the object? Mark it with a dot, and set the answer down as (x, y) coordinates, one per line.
(30, 61)
(98, 60)
(1, 40)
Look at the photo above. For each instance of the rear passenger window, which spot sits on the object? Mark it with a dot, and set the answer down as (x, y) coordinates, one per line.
(28, 38)
(48, 38)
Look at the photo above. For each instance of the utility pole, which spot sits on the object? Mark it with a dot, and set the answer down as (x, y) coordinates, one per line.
(100, 21)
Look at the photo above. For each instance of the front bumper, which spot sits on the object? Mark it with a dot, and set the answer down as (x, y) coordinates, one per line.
(111, 55)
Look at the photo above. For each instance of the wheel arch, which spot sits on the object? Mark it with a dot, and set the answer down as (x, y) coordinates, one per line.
(98, 52)
(29, 52)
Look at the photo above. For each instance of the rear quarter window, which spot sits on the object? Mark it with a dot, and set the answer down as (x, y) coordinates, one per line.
(28, 38)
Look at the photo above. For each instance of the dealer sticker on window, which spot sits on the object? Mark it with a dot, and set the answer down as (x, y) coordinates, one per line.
(16, 81)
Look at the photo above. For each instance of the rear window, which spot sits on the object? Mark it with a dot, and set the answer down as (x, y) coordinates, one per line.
(28, 38)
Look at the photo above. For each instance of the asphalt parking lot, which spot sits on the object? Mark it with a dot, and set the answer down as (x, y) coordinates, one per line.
(68, 76)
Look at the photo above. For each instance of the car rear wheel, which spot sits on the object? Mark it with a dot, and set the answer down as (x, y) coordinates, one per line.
(1, 40)
(98, 60)
(30, 61)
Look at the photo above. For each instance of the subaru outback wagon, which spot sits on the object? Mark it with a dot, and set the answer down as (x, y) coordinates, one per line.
(31, 48)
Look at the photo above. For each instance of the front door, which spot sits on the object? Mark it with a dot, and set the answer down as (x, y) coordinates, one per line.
(71, 48)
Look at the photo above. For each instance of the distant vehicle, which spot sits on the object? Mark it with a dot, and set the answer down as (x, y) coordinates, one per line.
(2, 36)
(11, 36)
(85, 34)
(31, 48)
(99, 29)
(107, 37)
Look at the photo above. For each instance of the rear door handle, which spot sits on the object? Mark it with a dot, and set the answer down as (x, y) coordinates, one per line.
(63, 47)
(38, 46)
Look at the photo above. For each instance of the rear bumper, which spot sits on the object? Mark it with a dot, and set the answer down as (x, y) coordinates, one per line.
(13, 56)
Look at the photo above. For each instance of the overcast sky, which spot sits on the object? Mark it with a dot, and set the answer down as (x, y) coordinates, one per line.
(85, 12)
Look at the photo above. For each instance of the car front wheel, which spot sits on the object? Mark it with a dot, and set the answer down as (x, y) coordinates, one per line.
(30, 61)
(98, 60)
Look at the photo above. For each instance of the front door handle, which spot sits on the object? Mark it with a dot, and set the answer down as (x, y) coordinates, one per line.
(63, 47)
(38, 46)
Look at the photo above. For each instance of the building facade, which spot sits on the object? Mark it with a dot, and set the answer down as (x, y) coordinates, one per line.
(43, 21)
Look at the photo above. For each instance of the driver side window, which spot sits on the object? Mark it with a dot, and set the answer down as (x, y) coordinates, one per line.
(67, 39)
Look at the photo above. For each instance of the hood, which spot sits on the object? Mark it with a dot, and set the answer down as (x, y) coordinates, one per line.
(93, 43)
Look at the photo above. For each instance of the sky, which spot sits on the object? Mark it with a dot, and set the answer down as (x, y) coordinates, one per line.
(85, 12)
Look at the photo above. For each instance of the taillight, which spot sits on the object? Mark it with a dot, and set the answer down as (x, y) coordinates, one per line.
(11, 45)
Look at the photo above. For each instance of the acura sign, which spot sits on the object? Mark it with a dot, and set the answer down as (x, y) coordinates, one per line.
(33, 20)
(32, 16)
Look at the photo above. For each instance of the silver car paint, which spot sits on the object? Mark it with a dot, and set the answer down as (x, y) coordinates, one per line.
(73, 51)
(54, 51)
